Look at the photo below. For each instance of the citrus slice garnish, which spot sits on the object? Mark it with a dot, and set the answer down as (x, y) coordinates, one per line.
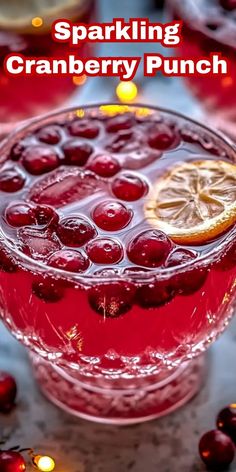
(17, 15)
(195, 201)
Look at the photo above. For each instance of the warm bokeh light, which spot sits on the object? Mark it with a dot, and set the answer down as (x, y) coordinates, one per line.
(126, 91)
(80, 113)
(37, 22)
(79, 80)
(44, 463)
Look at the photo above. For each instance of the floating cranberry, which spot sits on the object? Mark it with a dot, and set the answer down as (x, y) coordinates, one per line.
(111, 216)
(161, 136)
(11, 180)
(150, 248)
(48, 289)
(46, 215)
(129, 187)
(104, 165)
(12, 461)
(70, 260)
(20, 214)
(104, 251)
(8, 390)
(16, 151)
(226, 421)
(75, 231)
(228, 4)
(112, 299)
(190, 280)
(216, 450)
(76, 153)
(39, 159)
(83, 129)
(180, 257)
(155, 294)
(7, 263)
(120, 122)
(49, 134)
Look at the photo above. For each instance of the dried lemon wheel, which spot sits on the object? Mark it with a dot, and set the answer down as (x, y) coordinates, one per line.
(194, 202)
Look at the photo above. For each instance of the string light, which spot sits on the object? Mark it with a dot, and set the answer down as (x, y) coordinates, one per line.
(44, 463)
(37, 22)
(126, 91)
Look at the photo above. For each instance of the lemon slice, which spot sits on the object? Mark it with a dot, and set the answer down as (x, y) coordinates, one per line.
(17, 15)
(194, 202)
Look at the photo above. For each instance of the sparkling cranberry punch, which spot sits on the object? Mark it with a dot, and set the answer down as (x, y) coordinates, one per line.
(117, 255)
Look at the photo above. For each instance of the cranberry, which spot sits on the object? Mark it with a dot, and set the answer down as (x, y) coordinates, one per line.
(12, 461)
(8, 390)
(20, 214)
(49, 134)
(112, 299)
(76, 153)
(226, 421)
(104, 165)
(216, 450)
(129, 187)
(16, 151)
(7, 264)
(228, 4)
(39, 159)
(151, 295)
(161, 136)
(111, 215)
(104, 251)
(75, 231)
(83, 129)
(190, 280)
(120, 122)
(48, 289)
(46, 215)
(150, 248)
(180, 257)
(11, 180)
(70, 260)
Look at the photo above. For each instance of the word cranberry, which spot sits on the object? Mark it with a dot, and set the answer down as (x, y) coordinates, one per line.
(216, 450)
(11, 180)
(83, 129)
(226, 421)
(120, 122)
(75, 231)
(189, 281)
(228, 4)
(129, 187)
(20, 214)
(76, 153)
(46, 215)
(161, 136)
(111, 215)
(150, 248)
(179, 257)
(48, 289)
(154, 294)
(39, 159)
(112, 299)
(104, 165)
(12, 461)
(49, 134)
(70, 260)
(104, 251)
(8, 391)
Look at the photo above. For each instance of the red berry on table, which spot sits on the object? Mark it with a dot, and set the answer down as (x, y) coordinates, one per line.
(12, 461)
(112, 299)
(149, 249)
(39, 159)
(161, 136)
(20, 214)
(76, 153)
(69, 260)
(104, 251)
(8, 390)
(11, 180)
(226, 421)
(49, 134)
(111, 215)
(129, 187)
(216, 450)
(75, 231)
(104, 165)
(83, 129)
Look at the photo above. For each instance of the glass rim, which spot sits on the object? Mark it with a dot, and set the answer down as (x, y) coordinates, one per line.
(143, 273)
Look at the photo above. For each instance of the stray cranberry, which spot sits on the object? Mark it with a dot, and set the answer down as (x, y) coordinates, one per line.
(120, 122)
(129, 187)
(161, 137)
(70, 260)
(104, 251)
(75, 231)
(20, 214)
(104, 165)
(150, 248)
(112, 299)
(49, 134)
(216, 450)
(228, 4)
(76, 153)
(48, 289)
(180, 257)
(46, 215)
(190, 280)
(11, 180)
(8, 390)
(151, 295)
(111, 216)
(83, 129)
(12, 461)
(39, 159)
(226, 421)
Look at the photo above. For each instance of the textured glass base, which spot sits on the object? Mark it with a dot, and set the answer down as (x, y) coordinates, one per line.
(119, 405)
